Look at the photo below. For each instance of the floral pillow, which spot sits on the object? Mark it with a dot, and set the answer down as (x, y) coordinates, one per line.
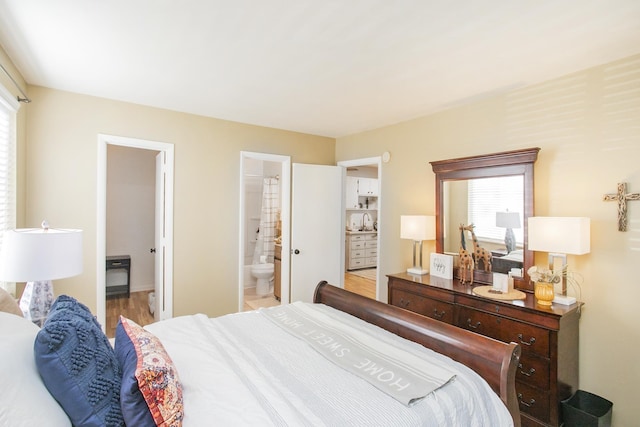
(151, 392)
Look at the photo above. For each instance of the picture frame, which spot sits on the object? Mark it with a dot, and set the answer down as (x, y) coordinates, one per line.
(441, 266)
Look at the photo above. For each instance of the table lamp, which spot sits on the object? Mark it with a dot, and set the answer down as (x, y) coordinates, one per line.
(560, 236)
(38, 256)
(508, 220)
(417, 228)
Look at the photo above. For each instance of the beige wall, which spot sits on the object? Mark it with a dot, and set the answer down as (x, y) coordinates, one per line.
(587, 126)
(62, 141)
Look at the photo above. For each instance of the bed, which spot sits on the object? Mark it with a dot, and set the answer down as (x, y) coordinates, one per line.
(275, 370)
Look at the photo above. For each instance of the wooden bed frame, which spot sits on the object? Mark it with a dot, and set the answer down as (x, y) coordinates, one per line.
(493, 360)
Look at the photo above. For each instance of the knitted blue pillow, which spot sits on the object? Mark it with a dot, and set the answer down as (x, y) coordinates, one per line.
(78, 365)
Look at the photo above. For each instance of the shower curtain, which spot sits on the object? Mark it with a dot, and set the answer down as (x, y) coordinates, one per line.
(265, 244)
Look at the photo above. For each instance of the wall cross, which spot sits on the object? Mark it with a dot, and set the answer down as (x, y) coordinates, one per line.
(622, 198)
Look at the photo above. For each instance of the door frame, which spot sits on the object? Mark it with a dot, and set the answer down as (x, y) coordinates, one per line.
(101, 221)
(368, 161)
(285, 217)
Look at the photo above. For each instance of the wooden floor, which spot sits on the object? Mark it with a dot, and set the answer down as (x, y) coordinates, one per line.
(353, 283)
(360, 285)
(136, 308)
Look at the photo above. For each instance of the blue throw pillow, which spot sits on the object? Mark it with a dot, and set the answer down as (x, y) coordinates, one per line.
(78, 365)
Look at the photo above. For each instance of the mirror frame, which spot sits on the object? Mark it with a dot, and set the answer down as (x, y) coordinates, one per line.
(516, 162)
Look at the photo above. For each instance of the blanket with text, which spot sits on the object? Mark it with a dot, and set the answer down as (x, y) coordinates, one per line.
(401, 374)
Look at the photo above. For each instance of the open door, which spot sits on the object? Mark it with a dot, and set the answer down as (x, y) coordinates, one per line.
(317, 228)
(160, 251)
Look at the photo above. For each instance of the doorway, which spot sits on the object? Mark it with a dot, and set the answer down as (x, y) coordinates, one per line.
(162, 220)
(254, 167)
(363, 213)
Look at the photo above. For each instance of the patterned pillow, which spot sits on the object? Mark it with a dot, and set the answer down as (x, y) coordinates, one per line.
(78, 365)
(149, 380)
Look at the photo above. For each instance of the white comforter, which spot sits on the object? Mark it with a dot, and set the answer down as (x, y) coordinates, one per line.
(242, 369)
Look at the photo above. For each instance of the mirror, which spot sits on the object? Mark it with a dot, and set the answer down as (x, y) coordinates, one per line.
(454, 177)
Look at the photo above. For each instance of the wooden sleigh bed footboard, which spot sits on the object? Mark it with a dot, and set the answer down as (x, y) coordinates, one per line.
(493, 360)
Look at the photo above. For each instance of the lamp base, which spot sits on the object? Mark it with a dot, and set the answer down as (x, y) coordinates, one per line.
(36, 301)
(564, 300)
(417, 271)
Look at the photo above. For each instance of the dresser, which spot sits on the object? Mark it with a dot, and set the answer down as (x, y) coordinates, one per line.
(361, 250)
(548, 370)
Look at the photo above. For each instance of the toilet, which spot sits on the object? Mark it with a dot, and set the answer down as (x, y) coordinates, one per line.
(264, 273)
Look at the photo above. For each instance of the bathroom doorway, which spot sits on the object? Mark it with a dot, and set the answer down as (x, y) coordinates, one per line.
(260, 173)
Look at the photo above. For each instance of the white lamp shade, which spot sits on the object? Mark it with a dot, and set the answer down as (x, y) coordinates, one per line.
(31, 255)
(418, 227)
(508, 219)
(565, 235)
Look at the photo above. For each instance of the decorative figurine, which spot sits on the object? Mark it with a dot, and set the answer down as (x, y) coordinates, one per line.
(466, 260)
(479, 252)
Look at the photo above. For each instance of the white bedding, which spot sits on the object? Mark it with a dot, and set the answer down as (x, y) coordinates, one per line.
(242, 369)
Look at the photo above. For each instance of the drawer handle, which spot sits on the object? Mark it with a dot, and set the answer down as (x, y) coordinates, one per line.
(530, 342)
(116, 263)
(437, 315)
(403, 303)
(472, 326)
(527, 404)
(528, 374)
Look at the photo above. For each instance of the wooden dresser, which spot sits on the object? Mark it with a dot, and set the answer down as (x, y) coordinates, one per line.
(548, 371)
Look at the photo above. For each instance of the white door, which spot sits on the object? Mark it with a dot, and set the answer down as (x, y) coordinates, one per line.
(160, 240)
(317, 228)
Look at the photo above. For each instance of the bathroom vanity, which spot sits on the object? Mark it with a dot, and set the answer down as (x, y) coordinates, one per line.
(277, 271)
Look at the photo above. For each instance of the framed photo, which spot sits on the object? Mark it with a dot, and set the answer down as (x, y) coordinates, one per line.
(441, 266)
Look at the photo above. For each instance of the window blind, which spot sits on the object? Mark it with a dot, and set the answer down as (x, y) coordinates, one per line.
(488, 195)
(8, 108)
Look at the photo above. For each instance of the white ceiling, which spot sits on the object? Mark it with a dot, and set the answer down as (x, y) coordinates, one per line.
(324, 67)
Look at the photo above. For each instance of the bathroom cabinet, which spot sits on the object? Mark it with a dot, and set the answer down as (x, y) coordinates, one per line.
(277, 271)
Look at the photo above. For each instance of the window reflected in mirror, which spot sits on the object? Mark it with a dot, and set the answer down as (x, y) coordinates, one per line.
(484, 202)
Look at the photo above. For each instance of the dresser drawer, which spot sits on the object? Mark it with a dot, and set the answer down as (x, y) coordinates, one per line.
(533, 401)
(357, 245)
(118, 262)
(530, 337)
(426, 306)
(371, 252)
(356, 263)
(533, 370)
(358, 253)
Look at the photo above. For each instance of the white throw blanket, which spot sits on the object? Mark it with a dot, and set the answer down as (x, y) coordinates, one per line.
(399, 373)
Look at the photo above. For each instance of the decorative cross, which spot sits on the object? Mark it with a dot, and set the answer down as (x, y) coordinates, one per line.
(622, 198)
